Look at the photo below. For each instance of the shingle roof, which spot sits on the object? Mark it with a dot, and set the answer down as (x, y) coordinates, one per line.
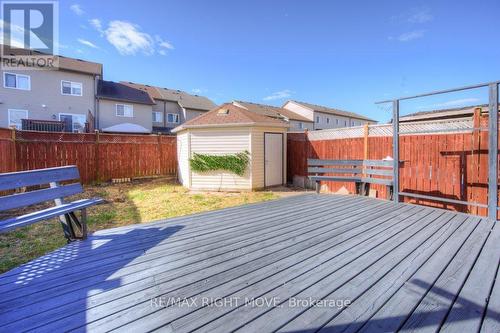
(272, 111)
(184, 99)
(325, 109)
(443, 113)
(65, 63)
(230, 114)
(121, 92)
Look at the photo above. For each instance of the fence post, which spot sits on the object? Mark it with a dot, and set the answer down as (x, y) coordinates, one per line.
(160, 153)
(493, 152)
(96, 160)
(395, 149)
(14, 150)
(366, 130)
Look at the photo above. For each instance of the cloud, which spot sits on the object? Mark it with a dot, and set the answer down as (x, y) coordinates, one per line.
(128, 39)
(97, 25)
(87, 43)
(421, 15)
(409, 36)
(16, 34)
(77, 9)
(452, 103)
(278, 95)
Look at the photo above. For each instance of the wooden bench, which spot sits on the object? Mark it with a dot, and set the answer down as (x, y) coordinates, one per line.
(74, 228)
(361, 172)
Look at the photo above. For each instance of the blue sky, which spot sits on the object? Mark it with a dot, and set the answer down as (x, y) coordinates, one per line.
(344, 54)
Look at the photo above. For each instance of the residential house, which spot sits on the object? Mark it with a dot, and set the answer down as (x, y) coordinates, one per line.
(123, 109)
(326, 117)
(443, 114)
(297, 122)
(173, 107)
(63, 96)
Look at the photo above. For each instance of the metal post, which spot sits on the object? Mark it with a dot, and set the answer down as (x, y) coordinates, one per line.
(395, 149)
(493, 152)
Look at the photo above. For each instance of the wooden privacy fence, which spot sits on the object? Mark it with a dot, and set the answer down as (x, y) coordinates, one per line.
(99, 157)
(447, 165)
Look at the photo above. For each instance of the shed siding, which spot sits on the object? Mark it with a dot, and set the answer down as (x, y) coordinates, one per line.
(183, 158)
(220, 142)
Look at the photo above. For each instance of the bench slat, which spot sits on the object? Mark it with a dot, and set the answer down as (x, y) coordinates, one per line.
(336, 178)
(27, 219)
(29, 198)
(316, 162)
(13, 180)
(378, 172)
(379, 163)
(380, 181)
(334, 170)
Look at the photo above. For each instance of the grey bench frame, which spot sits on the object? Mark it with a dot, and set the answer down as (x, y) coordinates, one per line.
(74, 228)
(361, 172)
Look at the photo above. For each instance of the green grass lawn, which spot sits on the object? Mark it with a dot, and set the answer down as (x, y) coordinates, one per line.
(129, 203)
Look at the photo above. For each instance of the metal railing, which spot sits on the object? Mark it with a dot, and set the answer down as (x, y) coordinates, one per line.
(492, 151)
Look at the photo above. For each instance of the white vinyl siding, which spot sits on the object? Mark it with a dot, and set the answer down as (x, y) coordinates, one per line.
(220, 142)
(16, 81)
(71, 88)
(124, 110)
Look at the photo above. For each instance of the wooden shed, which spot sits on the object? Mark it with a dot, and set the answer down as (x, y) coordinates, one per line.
(229, 130)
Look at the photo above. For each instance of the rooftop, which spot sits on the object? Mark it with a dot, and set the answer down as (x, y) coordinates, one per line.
(65, 63)
(329, 110)
(230, 114)
(121, 92)
(271, 111)
(443, 113)
(184, 99)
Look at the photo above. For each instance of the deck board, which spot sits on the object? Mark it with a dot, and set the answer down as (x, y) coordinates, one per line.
(400, 266)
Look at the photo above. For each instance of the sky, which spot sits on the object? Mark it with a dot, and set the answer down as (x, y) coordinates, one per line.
(343, 54)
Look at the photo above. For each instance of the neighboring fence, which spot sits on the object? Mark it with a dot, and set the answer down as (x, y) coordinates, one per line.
(451, 161)
(99, 157)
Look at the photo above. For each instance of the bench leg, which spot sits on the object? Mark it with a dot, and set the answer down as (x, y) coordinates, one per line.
(317, 187)
(69, 233)
(84, 223)
(390, 192)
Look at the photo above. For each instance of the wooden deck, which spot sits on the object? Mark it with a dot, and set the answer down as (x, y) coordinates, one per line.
(369, 265)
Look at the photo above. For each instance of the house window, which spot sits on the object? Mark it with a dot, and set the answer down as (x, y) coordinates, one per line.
(301, 125)
(16, 81)
(336, 121)
(317, 119)
(73, 122)
(172, 118)
(327, 120)
(345, 123)
(157, 117)
(124, 110)
(71, 88)
(16, 116)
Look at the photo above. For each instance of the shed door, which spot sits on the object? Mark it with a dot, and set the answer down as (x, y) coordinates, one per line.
(273, 159)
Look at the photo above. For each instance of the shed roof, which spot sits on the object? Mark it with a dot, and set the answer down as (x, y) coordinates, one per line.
(228, 115)
(465, 111)
(272, 111)
(184, 99)
(121, 92)
(334, 111)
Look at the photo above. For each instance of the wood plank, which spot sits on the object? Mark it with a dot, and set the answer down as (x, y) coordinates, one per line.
(397, 309)
(316, 162)
(165, 273)
(433, 308)
(470, 305)
(355, 316)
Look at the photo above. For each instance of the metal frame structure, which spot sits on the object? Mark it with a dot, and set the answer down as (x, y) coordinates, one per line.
(492, 152)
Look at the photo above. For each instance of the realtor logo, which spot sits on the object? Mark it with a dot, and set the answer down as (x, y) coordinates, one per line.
(30, 34)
